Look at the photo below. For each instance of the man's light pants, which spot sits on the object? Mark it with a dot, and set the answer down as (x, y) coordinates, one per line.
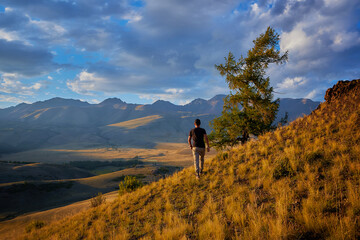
(198, 153)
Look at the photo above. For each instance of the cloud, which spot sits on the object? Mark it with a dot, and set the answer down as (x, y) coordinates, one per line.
(49, 32)
(84, 83)
(345, 40)
(8, 36)
(10, 84)
(67, 10)
(171, 94)
(292, 83)
(12, 99)
(311, 94)
(16, 57)
(297, 42)
(111, 79)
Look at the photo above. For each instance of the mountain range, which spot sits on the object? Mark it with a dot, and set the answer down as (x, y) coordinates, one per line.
(69, 123)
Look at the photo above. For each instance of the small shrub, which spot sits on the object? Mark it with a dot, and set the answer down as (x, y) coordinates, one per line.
(283, 169)
(314, 157)
(36, 224)
(318, 157)
(129, 184)
(97, 200)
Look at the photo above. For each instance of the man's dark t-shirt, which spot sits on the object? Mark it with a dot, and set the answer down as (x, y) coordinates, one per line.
(197, 134)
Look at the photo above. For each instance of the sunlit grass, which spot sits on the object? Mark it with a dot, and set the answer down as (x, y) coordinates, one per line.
(138, 122)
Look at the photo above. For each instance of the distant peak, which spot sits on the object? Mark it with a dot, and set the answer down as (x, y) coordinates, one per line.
(198, 101)
(162, 102)
(22, 104)
(58, 101)
(218, 97)
(112, 101)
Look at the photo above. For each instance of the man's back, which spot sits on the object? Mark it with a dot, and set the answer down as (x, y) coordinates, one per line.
(197, 134)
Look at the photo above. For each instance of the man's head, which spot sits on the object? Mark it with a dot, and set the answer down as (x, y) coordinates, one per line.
(197, 122)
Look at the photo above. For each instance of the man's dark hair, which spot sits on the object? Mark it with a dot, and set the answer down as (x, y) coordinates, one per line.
(197, 122)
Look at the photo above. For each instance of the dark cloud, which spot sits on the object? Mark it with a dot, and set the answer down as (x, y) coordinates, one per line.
(12, 20)
(278, 7)
(17, 57)
(67, 10)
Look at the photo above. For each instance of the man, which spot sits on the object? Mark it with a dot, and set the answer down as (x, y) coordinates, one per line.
(198, 135)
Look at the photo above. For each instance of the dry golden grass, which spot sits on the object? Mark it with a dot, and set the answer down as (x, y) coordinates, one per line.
(36, 114)
(138, 122)
(299, 182)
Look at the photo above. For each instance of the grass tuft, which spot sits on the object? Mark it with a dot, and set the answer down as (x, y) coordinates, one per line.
(97, 200)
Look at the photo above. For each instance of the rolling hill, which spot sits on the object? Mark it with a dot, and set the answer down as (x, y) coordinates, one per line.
(68, 123)
(298, 182)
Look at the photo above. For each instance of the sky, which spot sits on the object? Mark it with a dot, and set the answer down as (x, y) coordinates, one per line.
(143, 51)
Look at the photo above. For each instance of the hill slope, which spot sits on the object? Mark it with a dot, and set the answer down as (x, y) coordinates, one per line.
(299, 182)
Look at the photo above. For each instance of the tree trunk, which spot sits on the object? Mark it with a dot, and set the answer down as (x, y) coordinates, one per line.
(245, 137)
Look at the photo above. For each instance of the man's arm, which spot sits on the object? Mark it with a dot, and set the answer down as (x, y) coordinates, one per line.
(207, 142)
(189, 141)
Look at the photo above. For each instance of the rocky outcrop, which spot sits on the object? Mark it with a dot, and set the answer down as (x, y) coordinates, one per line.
(341, 89)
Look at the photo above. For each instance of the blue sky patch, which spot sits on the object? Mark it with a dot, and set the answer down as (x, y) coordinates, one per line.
(75, 57)
(137, 3)
(243, 7)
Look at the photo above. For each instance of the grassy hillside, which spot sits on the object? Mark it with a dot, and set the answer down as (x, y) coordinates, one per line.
(299, 182)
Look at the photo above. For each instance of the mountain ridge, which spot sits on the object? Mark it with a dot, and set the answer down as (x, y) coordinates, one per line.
(115, 100)
(66, 122)
(199, 105)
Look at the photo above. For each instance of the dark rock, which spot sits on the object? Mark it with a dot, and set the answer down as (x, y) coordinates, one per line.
(340, 89)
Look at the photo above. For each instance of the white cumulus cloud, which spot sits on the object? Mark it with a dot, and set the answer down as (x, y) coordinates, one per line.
(292, 83)
(10, 83)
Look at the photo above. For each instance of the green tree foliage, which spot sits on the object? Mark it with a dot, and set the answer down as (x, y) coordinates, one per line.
(249, 108)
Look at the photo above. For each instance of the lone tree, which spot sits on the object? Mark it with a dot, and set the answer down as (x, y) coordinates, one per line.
(249, 108)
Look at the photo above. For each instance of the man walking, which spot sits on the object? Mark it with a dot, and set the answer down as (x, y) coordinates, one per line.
(198, 135)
